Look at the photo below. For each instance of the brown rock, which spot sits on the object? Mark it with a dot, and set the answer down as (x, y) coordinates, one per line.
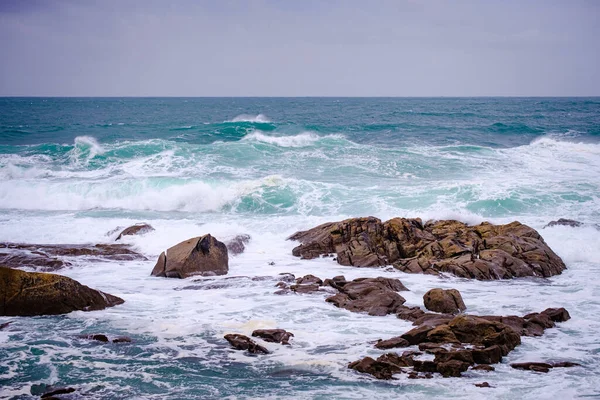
(137, 229)
(273, 335)
(488, 355)
(452, 368)
(532, 366)
(242, 342)
(202, 255)
(424, 366)
(309, 279)
(483, 251)
(379, 369)
(483, 385)
(397, 341)
(447, 301)
(307, 288)
(409, 313)
(483, 367)
(33, 293)
(479, 331)
(417, 335)
(375, 296)
(237, 245)
(564, 222)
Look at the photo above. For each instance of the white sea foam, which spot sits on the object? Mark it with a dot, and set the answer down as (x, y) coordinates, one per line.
(261, 118)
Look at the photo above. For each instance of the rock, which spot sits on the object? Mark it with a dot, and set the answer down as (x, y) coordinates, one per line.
(483, 251)
(409, 313)
(391, 343)
(237, 245)
(447, 301)
(375, 296)
(557, 314)
(100, 338)
(483, 385)
(122, 339)
(242, 342)
(384, 367)
(137, 229)
(483, 367)
(452, 368)
(479, 331)
(542, 366)
(202, 255)
(33, 293)
(564, 222)
(487, 355)
(5, 325)
(48, 258)
(307, 288)
(424, 366)
(57, 391)
(273, 335)
(308, 279)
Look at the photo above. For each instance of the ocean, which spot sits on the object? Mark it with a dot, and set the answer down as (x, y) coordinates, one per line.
(72, 170)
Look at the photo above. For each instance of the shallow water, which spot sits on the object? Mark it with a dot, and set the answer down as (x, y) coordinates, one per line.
(72, 170)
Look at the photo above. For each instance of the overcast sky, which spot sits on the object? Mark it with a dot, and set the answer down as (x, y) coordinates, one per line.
(300, 48)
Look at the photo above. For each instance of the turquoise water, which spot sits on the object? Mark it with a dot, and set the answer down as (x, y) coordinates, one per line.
(72, 170)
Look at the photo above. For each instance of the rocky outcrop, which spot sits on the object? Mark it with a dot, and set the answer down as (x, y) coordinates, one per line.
(242, 342)
(202, 255)
(32, 293)
(375, 296)
(273, 335)
(448, 301)
(460, 342)
(483, 251)
(137, 229)
(237, 245)
(48, 258)
(542, 366)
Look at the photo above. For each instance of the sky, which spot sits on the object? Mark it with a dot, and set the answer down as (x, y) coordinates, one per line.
(300, 48)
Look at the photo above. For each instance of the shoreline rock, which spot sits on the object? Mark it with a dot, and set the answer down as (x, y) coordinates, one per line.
(137, 229)
(203, 255)
(243, 342)
(483, 251)
(34, 293)
(447, 301)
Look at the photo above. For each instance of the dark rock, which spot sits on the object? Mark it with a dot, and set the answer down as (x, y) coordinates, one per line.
(483, 385)
(484, 251)
(202, 255)
(424, 366)
(565, 364)
(375, 296)
(452, 368)
(447, 301)
(458, 355)
(98, 337)
(122, 339)
(391, 343)
(532, 366)
(286, 277)
(557, 314)
(564, 222)
(308, 279)
(409, 313)
(242, 342)
(5, 325)
(33, 293)
(273, 335)
(57, 391)
(237, 245)
(488, 355)
(137, 229)
(417, 335)
(483, 367)
(308, 288)
(379, 369)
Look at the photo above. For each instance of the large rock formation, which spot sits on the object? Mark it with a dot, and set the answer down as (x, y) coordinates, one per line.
(137, 229)
(483, 251)
(459, 342)
(202, 255)
(32, 293)
(448, 301)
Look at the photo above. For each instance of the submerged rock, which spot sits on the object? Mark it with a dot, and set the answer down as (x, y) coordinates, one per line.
(137, 229)
(273, 335)
(448, 301)
(242, 342)
(237, 245)
(202, 255)
(54, 391)
(483, 251)
(564, 222)
(33, 293)
(542, 366)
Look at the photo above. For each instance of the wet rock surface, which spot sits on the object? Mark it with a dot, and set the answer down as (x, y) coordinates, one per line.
(48, 258)
(447, 301)
(137, 229)
(464, 341)
(237, 245)
(273, 335)
(483, 251)
(202, 255)
(242, 342)
(33, 293)
(375, 296)
(542, 366)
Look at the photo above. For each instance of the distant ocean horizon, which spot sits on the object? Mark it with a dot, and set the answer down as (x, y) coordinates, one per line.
(73, 169)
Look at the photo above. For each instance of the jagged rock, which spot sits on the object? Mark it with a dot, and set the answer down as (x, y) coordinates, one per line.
(448, 301)
(33, 293)
(237, 245)
(410, 313)
(5, 325)
(202, 255)
(375, 296)
(543, 367)
(56, 391)
(391, 343)
(137, 229)
(452, 368)
(273, 335)
(384, 367)
(47, 257)
(483, 367)
(564, 222)
(484, 251)
(242, 342)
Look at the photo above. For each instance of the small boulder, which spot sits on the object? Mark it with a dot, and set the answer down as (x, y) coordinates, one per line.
(273, 335)
(137, 229)
(203, 255)
(375, 296)
(448, 301)
(237, 245)
(55, 392)
(397, 341)
(483, 385)
(34, 293)
(242, 342)
(564, 222)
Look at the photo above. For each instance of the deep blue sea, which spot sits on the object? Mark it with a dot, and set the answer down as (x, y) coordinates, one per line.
(74, 169)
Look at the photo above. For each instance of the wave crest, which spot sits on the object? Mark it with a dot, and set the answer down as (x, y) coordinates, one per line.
(260, 118)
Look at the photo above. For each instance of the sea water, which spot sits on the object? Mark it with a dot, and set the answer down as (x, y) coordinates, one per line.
(73, 170)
